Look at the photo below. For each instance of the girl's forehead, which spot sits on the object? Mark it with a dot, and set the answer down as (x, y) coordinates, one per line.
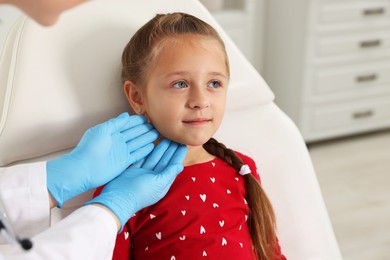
(189, 40)
(189, 46)
(176, 50)
(187, 52)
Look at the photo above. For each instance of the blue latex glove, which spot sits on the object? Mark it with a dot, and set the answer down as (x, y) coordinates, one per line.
(144, 183)
(104, 152)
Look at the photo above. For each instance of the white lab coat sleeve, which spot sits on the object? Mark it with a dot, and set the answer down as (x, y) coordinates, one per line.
(25, 197)
(87, 233)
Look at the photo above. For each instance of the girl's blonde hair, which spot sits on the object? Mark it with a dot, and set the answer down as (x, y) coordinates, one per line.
(139, 55)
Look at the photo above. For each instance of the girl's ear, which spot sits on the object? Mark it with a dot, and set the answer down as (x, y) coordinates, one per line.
(134, 96)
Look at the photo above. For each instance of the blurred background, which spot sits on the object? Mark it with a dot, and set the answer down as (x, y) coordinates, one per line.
(328, 63)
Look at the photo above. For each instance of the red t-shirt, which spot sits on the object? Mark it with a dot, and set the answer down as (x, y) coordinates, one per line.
(204, 214)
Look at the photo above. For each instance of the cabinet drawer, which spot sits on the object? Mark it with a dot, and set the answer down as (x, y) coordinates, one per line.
(360, 44)
(366, 77)
(367, 113)
(342, 11)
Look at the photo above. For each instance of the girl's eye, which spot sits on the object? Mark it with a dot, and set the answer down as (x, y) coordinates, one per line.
(180, 84)
(215, 84)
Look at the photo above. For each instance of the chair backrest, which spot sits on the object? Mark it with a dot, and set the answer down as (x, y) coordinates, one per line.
(56, 82)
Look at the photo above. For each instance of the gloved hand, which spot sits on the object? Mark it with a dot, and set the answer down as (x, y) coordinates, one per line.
(104, 152)
(144, 183)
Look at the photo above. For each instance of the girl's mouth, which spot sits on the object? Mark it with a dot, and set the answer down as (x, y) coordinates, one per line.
(197, 121)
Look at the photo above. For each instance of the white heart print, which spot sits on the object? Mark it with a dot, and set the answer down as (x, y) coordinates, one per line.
(158, 235)
(126, 235)
(202, 230)
(203, 197)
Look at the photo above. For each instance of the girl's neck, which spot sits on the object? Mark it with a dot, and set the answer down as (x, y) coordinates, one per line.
(196, 155)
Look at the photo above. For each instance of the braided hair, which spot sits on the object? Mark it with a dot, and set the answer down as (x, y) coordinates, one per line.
(261, 221)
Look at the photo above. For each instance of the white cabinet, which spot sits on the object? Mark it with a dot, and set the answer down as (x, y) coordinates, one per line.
(328, 62)
(238, 19)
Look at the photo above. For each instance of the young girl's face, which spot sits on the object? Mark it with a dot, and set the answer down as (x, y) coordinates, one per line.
(185, 91)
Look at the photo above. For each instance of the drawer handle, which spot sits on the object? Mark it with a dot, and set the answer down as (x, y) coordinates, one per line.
(374, 11)
(363, 114)
(366, 78)
(370, 44)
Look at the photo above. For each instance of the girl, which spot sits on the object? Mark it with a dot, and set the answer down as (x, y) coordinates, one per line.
(176, 73)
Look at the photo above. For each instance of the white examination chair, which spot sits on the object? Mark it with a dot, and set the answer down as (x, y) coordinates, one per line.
(57, 82)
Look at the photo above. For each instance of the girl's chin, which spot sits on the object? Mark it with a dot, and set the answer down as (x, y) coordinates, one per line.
(187, 142)
(192, 143)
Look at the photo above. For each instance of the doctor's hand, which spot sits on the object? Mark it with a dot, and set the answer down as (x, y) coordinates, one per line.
(104, 152)
(144, 183)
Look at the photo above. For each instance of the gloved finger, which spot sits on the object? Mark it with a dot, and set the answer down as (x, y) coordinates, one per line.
(166, 158)
(116, 124)
(142, 140)
(168, 175)
(136, 131)
(141, 153)
(156, 155)
(180, 155)
(139, 163)
(133, 121)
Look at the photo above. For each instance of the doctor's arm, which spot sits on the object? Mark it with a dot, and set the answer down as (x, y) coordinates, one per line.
(29, 190)
(90, 231)
(87, 233)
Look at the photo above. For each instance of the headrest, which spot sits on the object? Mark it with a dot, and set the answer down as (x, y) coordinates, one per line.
(56, 82)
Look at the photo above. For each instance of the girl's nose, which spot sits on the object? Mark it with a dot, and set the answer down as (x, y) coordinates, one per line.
(198, 99)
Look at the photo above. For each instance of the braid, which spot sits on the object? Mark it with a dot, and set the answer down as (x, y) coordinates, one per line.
(261, 219)
(221, 151)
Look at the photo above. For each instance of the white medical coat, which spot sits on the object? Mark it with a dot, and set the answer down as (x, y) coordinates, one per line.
(87, 233)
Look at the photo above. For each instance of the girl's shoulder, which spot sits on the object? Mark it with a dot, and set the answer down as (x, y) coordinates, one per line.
(251, 163)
